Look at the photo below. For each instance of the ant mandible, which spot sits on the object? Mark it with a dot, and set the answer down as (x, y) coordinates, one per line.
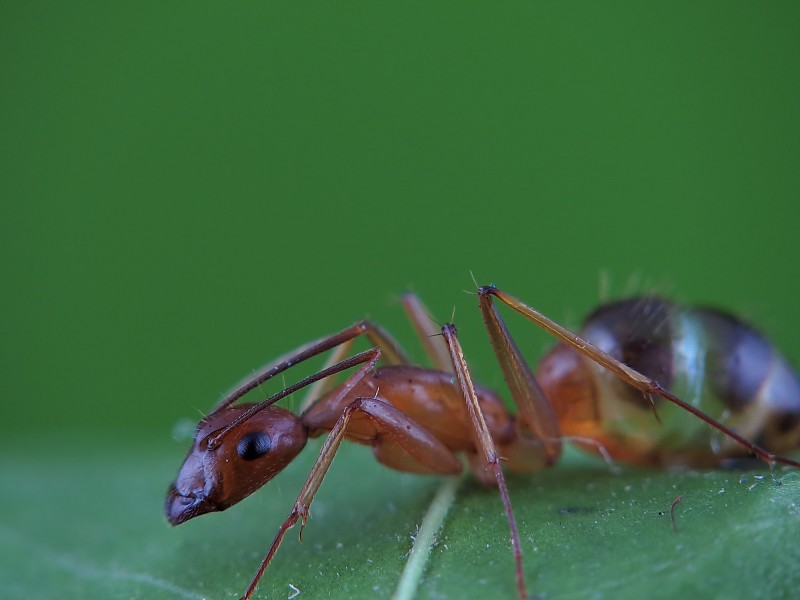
(636, 350)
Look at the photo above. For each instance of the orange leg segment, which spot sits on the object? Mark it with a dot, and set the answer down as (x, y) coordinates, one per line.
(486, 444)
(535, 413)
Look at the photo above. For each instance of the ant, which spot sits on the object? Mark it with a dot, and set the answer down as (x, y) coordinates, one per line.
(599, 389)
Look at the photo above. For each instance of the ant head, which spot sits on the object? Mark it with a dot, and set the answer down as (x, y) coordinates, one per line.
(216, 476)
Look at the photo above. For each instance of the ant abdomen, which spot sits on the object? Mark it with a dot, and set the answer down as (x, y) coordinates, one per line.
(709, 358)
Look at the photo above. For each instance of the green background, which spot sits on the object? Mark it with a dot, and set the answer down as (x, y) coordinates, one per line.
(192, 189)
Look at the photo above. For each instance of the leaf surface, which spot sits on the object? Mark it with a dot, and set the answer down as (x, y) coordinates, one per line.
(88, 524)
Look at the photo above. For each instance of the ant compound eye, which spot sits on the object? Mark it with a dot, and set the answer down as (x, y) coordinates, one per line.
(253, 445)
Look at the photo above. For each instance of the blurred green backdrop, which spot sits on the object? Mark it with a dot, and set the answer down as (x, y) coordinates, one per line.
(190, 190)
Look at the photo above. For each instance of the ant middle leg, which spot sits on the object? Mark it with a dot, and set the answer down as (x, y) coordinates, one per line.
(486, 445)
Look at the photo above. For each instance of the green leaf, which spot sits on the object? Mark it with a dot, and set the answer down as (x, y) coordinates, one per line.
(79, 523)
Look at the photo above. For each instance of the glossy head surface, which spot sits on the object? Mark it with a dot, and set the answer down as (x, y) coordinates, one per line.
(246, 458)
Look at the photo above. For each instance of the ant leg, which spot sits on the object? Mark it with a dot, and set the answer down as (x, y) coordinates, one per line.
(621, 370)
(485, 443)
(397, 440)
(428, 332)
(312, 483)
(535, 413)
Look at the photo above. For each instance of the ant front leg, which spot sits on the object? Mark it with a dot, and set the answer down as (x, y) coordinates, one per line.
(396, 438)
(310, 487)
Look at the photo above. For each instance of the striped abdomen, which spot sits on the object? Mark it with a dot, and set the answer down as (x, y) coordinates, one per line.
(707, 357)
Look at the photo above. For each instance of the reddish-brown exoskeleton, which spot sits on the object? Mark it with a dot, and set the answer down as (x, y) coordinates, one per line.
(600, 388)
